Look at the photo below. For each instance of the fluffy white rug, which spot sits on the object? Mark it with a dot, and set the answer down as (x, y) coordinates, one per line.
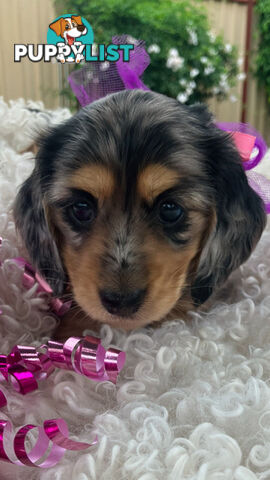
(193, 400)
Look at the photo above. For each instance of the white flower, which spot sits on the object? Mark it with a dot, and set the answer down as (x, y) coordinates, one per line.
(241, 76)
(223, 84)
(175, 63)
(104, 66)
(193, 37)
(215, 90)
(170, 62)
(182, 97)
(224, 77)
(208, 70)
(233, 98)
(240, 61)
(153, 48)
(228, 48)
(212, 51)
(212, 36)
(194, 72)
(204, 59)
(173, 52)
(192, 85)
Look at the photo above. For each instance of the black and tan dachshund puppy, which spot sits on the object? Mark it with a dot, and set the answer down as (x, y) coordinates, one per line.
(141, 205)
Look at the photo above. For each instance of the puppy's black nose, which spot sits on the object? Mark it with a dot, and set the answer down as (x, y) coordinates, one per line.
(122, 304)
(80, 28)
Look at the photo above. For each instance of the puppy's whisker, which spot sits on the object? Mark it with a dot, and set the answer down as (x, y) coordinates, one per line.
(77, 313)
(74, 309)
(53, 278)
(67, 295)
(66, 299)
(49, 269)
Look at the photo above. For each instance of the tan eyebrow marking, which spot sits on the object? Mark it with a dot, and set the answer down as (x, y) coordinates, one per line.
(155, 179)
(95, 179)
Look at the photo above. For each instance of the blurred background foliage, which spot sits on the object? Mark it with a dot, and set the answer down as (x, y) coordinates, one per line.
(188, 61)
(263, 55)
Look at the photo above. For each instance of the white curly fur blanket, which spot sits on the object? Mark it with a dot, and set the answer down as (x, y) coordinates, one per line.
(193, 400)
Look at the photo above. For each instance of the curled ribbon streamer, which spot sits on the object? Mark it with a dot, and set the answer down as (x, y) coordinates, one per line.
(86, 356)
(30, 277)
(54, 430)
(252, 149)
(246, 139)
(25, 365)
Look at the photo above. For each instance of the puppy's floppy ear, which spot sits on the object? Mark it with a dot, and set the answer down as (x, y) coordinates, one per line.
(30, 219)
(240, 211)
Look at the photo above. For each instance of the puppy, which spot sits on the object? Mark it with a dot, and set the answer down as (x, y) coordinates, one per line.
(141, 205)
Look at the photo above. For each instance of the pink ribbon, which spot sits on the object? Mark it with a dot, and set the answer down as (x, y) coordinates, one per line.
(55, 430)
(248, 141)
(30, 277)
(244, 143)
(25, 365)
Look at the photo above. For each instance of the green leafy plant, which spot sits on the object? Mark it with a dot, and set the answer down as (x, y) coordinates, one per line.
(263, 55)
(188, 62)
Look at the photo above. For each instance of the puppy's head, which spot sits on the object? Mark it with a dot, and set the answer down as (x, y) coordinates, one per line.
(140, 202)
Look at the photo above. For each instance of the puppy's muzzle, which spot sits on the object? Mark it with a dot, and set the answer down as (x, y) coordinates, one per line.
(122, 304)
(80, 28)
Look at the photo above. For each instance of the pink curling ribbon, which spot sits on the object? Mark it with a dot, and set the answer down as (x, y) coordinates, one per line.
(55, 430)
(30, 276)
(246, 139)
(25, 365)
(252, 149)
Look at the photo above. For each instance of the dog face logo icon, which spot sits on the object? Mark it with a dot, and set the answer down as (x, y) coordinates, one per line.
(69, 28)
(70, 33)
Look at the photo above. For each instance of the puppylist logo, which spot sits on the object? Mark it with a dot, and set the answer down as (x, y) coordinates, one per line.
(70, 38)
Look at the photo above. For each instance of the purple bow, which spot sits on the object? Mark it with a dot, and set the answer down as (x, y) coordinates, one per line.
(252, 149)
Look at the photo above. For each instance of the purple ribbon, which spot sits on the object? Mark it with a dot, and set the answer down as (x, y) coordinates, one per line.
(249, 131)
(96, 79)
(252, 149)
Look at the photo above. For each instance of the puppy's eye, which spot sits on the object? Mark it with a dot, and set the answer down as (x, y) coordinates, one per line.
(83, 212)
(170, 212)
(73, 24)
(67, 27)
